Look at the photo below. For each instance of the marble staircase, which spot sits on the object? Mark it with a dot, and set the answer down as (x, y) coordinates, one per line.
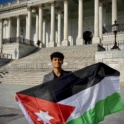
(32, 68)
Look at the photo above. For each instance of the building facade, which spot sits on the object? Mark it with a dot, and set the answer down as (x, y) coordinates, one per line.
(61, 22)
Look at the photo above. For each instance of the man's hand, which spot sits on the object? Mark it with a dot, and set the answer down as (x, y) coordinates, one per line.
(15, 98)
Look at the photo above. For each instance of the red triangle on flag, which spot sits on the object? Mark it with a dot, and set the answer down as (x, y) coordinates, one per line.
(57, 113)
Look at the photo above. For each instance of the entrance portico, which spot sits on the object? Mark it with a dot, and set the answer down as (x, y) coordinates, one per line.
(85, 16)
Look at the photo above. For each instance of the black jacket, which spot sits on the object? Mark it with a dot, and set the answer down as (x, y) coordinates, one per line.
(50, 76)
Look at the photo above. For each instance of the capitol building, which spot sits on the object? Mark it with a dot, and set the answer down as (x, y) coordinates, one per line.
(61, 22)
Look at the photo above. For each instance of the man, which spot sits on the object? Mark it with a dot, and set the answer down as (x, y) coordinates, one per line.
(56, 61)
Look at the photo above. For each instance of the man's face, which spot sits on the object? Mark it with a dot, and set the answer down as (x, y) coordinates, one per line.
(56, 62)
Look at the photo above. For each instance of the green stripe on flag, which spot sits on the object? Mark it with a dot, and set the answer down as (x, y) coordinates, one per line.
(102, 108)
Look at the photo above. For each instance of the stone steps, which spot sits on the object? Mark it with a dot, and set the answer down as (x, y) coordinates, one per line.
(32, 77)
(32, 68)
(72, 53)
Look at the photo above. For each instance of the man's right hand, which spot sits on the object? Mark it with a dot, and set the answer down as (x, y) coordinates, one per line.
(15, 98)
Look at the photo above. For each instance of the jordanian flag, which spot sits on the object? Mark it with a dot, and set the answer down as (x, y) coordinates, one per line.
(85, 96)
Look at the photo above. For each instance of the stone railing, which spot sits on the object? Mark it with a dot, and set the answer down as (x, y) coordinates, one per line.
(14, 2)
(17, 39)
(5, 56)
(108, 28)
(109, 45)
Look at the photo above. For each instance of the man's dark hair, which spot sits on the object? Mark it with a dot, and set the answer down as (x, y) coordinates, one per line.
(57, 55)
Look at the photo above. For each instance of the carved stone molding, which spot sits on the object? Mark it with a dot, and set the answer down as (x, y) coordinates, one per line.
(59, 9)
(5, 22)
(29, 8)
(18, 16)
(41, 6)
(12, 8)
(66, 1)
(34, 10)
(52, 3)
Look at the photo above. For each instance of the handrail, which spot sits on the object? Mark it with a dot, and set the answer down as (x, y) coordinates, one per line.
(18, 39)
(14, 2)
(5, 55)
(110, 44)
(108, 28)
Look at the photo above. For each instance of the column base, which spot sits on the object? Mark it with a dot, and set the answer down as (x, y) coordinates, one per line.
(96, 40)
(51, 44)
(79, 41)
(65, 43)
(58, 44)
(41, 45)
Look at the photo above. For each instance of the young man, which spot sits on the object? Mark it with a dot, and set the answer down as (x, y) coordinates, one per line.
(56, 61)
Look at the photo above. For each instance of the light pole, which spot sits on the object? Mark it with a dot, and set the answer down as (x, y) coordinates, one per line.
(115, 30)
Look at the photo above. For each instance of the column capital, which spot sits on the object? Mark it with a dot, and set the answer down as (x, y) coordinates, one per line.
(41, 6)
(5, 22)
(34, 10)
(52, 3)
(29, 8)
(66, 1)
(18, 16)
(59, 9)
(9, 18)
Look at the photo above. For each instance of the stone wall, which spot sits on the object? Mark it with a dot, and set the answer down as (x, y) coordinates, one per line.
(114, 59)
(17, 50)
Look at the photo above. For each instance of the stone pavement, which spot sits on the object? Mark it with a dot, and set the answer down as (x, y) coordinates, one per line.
(10, 112)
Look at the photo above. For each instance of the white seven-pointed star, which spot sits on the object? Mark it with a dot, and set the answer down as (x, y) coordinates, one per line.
(44, 116)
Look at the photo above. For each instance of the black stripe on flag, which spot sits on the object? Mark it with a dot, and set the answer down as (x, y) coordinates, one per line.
(71, 84)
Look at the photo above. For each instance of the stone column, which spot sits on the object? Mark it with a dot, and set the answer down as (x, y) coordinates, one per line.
(29, 24)
(40, 24)
(18, 27)
(44, 31)
(9, 30)
(37, 28)
(101, 20)
(26, 26)
(79, 40)
(59, 29)
(52, 31)
(114, 11)
(1, 34)
(65, 41)
(104, 14)
(96, 38)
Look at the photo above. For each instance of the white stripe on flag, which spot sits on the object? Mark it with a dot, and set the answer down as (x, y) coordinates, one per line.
(25, 112)
(86, 99)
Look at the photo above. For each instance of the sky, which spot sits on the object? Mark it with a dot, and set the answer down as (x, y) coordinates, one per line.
(5, 1)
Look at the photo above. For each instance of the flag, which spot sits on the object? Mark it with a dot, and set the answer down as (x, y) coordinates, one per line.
(85, 96)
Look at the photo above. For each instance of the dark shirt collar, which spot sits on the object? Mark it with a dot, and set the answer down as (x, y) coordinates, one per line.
(55, 76)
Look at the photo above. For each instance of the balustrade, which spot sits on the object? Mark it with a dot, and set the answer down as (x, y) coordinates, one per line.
(108, 28)
(109, 45)
(5, 56)
(18, 39)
